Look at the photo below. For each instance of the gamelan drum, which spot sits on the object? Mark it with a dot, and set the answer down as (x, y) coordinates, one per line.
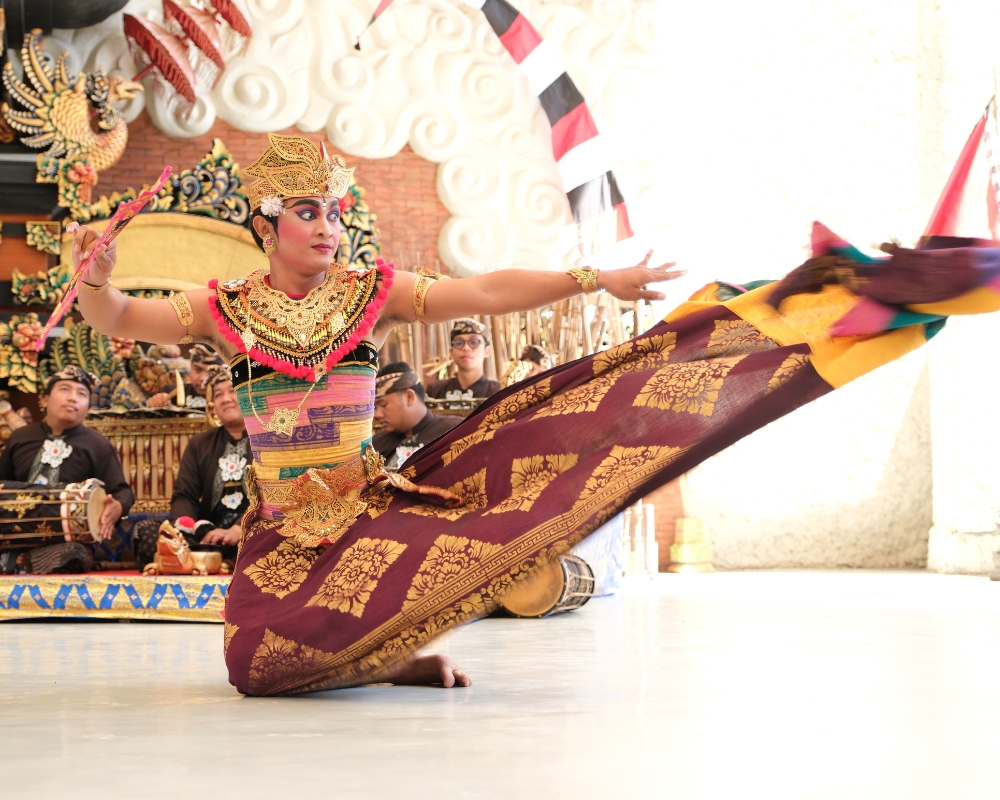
(32, 515)
(562, 585)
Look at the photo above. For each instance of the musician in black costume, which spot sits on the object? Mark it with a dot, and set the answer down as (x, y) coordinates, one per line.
(406, 423)
(210, 493)
(61, 450)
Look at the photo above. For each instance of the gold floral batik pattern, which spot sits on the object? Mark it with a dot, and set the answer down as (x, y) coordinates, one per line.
(581, 399)
(636, 356)
(529, 476)
(449, 558)
(349, 585)
(788, 368)
(284, 569)
(378, 499)
(449, 589)
(609, 366)
(472, 490)
(692, 387)
(227, 637)
(623, 470)
(278, 659)
(501, 414)
(737, 337)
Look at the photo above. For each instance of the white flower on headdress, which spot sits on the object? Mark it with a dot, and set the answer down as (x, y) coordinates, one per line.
(232, 501)
(55, 451)
(271, 206)
(232, 467)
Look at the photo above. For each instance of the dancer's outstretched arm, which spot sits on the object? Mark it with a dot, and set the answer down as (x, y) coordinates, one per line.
(511, 290)
(114, 314)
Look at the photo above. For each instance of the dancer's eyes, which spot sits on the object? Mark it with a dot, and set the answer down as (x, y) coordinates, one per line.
(309, 214)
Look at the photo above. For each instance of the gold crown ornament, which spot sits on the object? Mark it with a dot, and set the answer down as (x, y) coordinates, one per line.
(295, 167)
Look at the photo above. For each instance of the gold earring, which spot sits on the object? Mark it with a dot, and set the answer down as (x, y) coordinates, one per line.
(269, 246)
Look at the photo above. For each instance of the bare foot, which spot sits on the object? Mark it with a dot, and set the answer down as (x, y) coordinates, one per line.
(428, 671)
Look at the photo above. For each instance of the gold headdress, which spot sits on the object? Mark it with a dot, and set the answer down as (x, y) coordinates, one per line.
(294, 167)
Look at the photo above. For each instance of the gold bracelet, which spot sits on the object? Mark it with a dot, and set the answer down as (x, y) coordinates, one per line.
(587, 278)
(185, 314)
(96, 288)
(421, 286)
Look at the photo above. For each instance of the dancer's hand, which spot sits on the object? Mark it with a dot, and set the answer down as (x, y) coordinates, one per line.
(84, 241)
(630, 283)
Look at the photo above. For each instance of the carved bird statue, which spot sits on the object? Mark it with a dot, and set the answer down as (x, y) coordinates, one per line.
(77, 118)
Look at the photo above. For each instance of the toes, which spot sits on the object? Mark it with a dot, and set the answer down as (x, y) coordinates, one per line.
(462, 679)
(447, 677)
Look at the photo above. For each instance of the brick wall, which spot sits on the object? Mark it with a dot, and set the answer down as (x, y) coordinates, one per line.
(400, 190)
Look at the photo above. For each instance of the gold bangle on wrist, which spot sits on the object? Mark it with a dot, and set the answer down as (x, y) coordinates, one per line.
(587, 278)
(96, 288)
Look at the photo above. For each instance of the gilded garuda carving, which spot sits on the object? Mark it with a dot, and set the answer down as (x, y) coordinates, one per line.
(56, 112)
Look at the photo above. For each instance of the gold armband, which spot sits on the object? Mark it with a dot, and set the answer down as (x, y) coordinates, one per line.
(184, 312)
(421, 286)
(587, 278)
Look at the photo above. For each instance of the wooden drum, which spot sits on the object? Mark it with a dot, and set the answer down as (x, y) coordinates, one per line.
(32, 515)
(562, 585)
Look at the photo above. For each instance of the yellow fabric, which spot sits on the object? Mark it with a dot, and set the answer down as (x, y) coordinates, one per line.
(802, 318)
(688, 308)
(840, 361)
(807, 319)
(979, 301)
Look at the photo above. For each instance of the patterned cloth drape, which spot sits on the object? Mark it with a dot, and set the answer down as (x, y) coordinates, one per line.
(540, 467)
(545, 462)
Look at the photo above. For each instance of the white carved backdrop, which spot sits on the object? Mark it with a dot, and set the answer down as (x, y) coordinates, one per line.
(432, 74)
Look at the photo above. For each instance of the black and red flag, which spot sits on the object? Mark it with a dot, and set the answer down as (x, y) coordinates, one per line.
(583, 161)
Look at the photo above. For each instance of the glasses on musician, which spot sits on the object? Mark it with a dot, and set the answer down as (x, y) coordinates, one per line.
(473, 344)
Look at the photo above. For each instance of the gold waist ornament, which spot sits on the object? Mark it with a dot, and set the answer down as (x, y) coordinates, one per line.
(320, 505)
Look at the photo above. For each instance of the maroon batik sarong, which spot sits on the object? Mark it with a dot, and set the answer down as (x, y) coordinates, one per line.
(539, 466)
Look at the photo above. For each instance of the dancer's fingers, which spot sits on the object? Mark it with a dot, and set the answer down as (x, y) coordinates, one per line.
(658, 276)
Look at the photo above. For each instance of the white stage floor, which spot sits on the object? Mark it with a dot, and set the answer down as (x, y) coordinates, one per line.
(736, 685)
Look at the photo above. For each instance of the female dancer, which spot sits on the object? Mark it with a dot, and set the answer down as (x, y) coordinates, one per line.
(344, 572)
(312, 331)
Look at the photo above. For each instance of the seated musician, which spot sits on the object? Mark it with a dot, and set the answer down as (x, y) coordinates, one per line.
(534, 359)
(202, 358)
(407, 425)
(537, 358)
(469, 348)
(210, 489)
(61, 450)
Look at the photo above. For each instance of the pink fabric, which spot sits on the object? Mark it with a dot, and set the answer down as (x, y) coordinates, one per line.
(868, 316)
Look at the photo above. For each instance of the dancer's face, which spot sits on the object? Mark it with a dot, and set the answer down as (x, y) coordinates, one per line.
(308, 234)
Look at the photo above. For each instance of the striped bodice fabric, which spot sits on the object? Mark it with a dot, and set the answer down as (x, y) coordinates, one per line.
(333, 426)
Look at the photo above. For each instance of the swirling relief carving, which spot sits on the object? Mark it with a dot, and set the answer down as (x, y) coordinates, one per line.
(432, 74)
